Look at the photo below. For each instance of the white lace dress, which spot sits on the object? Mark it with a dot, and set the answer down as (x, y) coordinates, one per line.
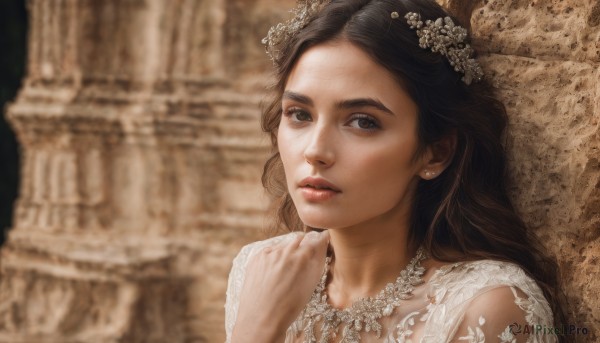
(480, 301)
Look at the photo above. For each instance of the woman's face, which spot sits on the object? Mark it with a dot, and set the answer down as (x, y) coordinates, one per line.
(348, 122)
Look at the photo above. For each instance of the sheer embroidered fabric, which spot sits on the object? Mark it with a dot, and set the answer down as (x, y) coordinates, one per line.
(469, 302)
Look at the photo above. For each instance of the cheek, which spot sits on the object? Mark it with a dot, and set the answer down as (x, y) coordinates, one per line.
(386, 166)
(286, 151)
(389, 154)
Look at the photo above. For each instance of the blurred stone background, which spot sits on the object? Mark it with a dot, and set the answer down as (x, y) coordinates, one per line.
(140, 156)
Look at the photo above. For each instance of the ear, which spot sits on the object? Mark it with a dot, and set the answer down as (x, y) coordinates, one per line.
(438, 156)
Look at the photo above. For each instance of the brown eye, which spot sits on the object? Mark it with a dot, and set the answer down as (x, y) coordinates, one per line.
(297, 114)
(302, 116)
(364, 122)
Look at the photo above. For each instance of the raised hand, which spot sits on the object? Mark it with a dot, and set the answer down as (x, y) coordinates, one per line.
(278, 284)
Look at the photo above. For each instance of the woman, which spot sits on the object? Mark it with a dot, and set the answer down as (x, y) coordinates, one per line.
(388, 150)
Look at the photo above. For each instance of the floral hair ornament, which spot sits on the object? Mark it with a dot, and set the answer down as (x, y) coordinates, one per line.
(282, 33)
(448, 39)
(441, 36)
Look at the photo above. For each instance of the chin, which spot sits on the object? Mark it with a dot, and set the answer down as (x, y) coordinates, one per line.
(321, 216)
(321, 222)
(316, 222)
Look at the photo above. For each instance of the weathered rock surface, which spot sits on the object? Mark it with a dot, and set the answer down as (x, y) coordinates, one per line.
(544, 58)
(142, 150)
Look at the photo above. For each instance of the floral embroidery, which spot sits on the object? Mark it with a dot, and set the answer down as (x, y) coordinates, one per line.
(431, 316)
(525, 305)
(405, 328)
(476, 336)
(507, 336)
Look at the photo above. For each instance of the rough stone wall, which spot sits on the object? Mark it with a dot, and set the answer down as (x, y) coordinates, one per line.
(544, 58)
(142, 152)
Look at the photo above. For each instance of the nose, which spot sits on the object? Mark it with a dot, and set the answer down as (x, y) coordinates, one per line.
(320, 148)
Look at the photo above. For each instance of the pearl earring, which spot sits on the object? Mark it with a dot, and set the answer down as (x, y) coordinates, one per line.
(429, 173)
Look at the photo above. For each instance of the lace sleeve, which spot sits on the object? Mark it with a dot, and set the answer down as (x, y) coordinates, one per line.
(503, 314)
(237, 275)
(234, 287)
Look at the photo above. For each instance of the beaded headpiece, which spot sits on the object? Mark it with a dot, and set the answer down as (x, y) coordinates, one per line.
(448, 39)
(284, 32)
(441, 36)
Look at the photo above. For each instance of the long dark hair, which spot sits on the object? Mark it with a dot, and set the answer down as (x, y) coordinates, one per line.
(465, 213)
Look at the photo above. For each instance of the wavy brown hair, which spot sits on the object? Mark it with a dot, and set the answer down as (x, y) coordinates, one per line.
(465, 213)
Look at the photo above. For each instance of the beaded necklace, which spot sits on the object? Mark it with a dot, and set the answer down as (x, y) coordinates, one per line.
(364, 314)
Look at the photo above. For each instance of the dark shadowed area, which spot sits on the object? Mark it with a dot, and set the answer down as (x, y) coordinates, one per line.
(13, 35)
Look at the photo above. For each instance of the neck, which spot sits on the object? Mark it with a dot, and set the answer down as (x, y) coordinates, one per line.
(367, 258)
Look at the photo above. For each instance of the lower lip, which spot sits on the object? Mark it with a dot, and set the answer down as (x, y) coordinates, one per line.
(313, 194)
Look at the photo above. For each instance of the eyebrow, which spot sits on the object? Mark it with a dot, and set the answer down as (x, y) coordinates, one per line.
(345, 104)
(364, 102)
(303, 99)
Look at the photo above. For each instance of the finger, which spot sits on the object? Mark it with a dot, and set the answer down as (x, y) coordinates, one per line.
(323, 243)
(314, 246)
(296, 241)
(294, 238)
(315, 237)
